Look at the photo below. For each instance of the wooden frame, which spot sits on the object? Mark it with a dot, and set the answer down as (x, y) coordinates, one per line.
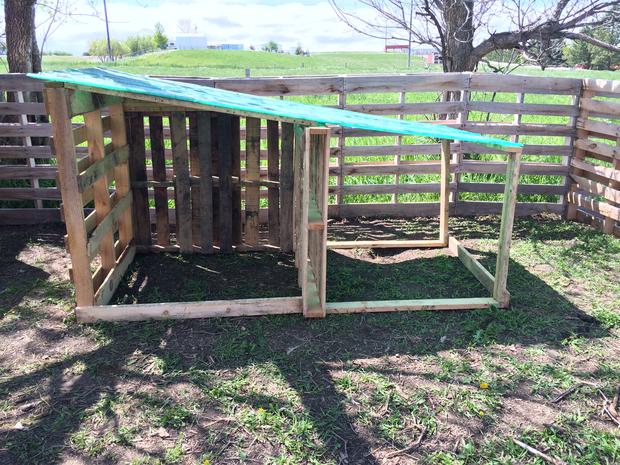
(298, 175)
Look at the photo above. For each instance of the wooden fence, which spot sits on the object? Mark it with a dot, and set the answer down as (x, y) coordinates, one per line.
(564, 124)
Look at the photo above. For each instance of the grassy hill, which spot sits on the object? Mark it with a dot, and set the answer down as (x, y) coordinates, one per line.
(231, 63)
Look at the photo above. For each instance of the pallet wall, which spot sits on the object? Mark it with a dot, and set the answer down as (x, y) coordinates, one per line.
(594, 195)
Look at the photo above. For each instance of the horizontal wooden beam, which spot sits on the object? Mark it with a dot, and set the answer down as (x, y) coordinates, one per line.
(108, 224)
(181, 310)
(472, 264)
(99, 168)
(410, 305)
(385, 244)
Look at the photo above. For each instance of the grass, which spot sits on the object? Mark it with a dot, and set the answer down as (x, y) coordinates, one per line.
(346, 389)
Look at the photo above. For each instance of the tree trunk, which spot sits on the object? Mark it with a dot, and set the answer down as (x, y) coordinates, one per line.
(20, 31)
(459, 36)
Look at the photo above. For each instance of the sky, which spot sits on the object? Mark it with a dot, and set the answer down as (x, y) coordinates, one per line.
(310, 23)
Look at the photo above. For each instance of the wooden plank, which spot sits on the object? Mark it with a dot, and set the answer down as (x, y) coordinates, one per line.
(17, 216)
(117, 125)
(524, 108)
(137, 170)
(500, 293)
(29, 193)
(21, 151)
(194, 172)
(94, 138)
(160, 194)
(106, 227)
(607, 151)
(603, 108)
(20, 82)
(595, 188)
(273, 173)
(225, 186)
(85, 102)
(182, 198)
(203, 124)
(406, 108)
(58, 107)
(28, 172)
(112, 280)
(600, 128)
(472, 264)
(286, 189)
(27, 130)
(588, 203)
(444, 192)
(524, 84)
(235, 141)
(100, 167)
(405, 83)
(22, 108)
(410, 305)
(252, 167)
(183, 310)
(385, 244)
(602, 171)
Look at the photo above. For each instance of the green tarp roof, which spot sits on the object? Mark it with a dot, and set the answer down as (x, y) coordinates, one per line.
(117, 81)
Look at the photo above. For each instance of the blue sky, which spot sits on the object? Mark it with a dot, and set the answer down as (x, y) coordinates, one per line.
(309, 23)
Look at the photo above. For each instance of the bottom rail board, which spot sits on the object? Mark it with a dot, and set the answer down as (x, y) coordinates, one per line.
(410, 305)
(365, 244)
(180, 310)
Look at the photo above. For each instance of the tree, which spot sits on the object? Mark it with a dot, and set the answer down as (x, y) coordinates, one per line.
(99, 48)
(464, 31)
(137, 45)
(159, 38)
(271, 46)
(21, 42)
(299, 50)
(591, 56)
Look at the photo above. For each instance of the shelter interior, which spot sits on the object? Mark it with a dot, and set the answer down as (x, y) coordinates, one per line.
(167, 176)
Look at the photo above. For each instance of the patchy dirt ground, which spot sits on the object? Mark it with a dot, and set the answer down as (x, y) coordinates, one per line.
(403, 388)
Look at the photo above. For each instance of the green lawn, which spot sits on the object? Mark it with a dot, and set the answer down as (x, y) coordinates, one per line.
(220, 63)
(346, 389)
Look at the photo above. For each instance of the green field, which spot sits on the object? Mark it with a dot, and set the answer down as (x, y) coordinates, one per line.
(222, 63)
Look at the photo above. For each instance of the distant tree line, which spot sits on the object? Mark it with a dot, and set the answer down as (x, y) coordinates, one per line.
(133, 45)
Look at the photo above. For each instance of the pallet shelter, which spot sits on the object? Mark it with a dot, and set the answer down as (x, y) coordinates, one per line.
(209, 184)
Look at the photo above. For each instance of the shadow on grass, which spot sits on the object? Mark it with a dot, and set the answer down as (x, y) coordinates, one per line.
(193, 349)
(17, 277)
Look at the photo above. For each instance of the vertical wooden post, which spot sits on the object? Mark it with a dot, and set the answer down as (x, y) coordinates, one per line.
(444, 192)
(203, 125)
(273, 174)
(286, 189)
(57, 102)
(215, 170)
(137, 172)
(121, 172)
(182, 196)
(194, 171)
(500, 293)
(299, 141)
(252, 174)
(160, 193)
(101, 194)
(225, 192)
(235, 142)
(342, 101)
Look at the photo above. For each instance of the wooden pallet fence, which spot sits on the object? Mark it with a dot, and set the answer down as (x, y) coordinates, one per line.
(594, 195)
(385, 175)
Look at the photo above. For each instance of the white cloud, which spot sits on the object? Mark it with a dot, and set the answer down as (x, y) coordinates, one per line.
(314, 25)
